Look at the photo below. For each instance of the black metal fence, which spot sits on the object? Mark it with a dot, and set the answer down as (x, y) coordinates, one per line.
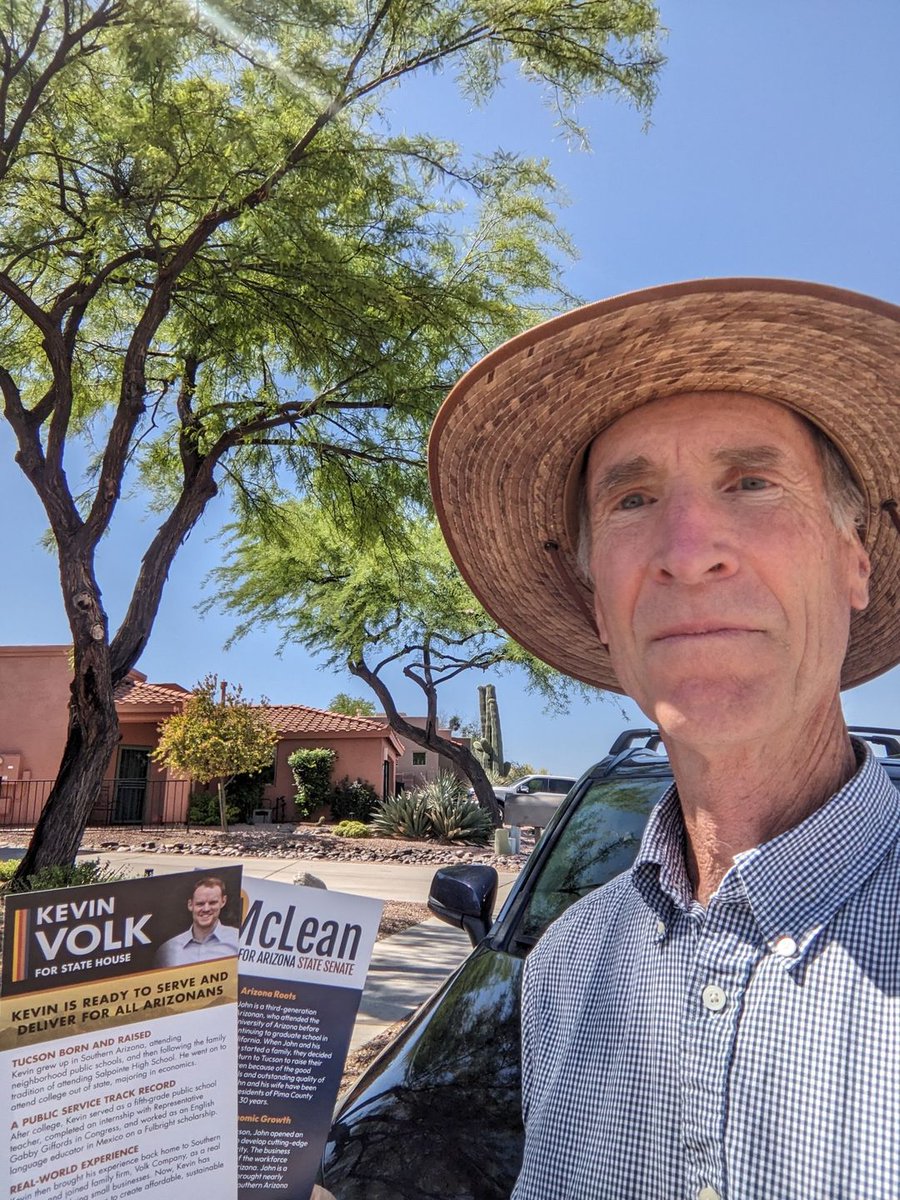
(132, 802)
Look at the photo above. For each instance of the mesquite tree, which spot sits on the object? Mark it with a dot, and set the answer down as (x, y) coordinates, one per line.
(220, 266)
(376, 608)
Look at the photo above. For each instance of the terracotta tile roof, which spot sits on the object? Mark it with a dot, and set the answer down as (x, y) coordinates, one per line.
(137, 691)
(298, 718)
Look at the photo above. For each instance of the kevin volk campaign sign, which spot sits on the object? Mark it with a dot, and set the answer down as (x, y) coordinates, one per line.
(118, 1040)
(304, 956)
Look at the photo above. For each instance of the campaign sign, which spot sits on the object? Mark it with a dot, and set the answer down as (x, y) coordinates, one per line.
(118, 1040)
(304, 956)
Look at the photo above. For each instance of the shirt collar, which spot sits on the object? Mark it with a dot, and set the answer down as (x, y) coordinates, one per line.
(795, 883)
(188, 936)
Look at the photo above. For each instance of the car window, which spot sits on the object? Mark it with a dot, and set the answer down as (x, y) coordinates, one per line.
(599, 841)
(537, 783)
(561, 785)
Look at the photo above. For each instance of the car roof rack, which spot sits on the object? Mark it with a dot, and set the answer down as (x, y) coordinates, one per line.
(623, 752)
(624, 746)
(626, 740)
(888, 738)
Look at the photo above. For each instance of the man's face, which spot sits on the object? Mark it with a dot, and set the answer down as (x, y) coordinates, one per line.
(722, 587)
(205, 905)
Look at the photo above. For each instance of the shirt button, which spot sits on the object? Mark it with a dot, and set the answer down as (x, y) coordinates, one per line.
(660, 927)
(784, 947)
(714, 999)
(708, 1193)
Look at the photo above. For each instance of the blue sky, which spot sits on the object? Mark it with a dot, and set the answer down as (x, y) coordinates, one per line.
(773, 150)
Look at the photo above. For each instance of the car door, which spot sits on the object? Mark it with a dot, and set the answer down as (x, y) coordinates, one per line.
(438, 1115)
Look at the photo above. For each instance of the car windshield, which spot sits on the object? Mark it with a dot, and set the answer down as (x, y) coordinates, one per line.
(599, 841)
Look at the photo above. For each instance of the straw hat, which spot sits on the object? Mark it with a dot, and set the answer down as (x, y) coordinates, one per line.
(508, 444)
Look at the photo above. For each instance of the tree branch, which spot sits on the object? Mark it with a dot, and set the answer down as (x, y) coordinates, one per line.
(429, 738)
(107, 11)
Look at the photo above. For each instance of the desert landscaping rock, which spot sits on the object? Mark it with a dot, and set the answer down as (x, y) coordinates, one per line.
(297, 843)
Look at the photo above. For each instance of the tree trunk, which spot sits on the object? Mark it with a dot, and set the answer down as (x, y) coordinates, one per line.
(93, 735)
(100, 664)
(429, 738)
(93, 731)
(223, 811)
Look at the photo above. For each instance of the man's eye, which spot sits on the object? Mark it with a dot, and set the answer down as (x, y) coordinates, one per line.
(632, 500)
(753, 483)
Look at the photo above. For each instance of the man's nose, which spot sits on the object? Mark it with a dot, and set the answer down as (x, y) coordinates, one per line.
(696, 541)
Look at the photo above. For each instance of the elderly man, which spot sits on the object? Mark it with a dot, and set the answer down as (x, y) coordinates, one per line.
(693, 490)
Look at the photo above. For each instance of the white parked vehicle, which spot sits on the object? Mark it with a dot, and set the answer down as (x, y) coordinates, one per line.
(534, 799)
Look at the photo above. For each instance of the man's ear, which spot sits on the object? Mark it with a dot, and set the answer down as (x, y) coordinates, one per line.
(600, 623)
(860, 570)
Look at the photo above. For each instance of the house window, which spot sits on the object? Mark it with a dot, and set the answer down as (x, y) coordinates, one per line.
(418, 758)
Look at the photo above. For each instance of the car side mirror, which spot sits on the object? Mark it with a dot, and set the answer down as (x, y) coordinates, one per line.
(464, 896)
(522, 789)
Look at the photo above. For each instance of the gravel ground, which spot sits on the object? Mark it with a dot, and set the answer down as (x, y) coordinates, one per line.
(300, 842)
(400, 914)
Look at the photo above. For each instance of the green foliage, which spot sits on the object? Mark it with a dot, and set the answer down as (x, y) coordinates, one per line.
(352, 800)
(216, 736)
(280, 254)
(440, 810)
(312, 775)
(7, 868)
(204, 810)
(245, 791)
(349, 601)
(352, 829)
(220, 268)
(352, 706)
(403, 816)
(88, 871)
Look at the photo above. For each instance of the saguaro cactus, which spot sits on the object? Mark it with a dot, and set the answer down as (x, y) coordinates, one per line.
(488, 748)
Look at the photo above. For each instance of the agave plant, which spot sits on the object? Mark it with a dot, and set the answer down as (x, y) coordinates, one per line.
(459, 819)
(403, 816)
(443, 790)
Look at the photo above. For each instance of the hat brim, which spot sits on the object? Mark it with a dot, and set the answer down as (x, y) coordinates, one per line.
(509, 440)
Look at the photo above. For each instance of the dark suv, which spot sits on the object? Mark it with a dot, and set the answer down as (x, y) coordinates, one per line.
(437, 1116)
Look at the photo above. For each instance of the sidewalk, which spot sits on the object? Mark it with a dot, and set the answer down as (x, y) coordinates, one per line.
(404, 971)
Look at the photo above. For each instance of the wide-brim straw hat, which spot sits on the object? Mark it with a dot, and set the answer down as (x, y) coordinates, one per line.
(508, 445)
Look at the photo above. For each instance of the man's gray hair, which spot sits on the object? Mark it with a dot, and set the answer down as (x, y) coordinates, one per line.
(843, 495)
(845, 498)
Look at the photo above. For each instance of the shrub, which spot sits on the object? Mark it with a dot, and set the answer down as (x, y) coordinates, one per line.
(403, 816)
(8, 869)
(353, 801)
(352, 829)
(312, 774)
(204, 810)
(245, 791)
(68, 875)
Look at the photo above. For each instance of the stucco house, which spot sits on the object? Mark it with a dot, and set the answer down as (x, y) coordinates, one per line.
(365, 747)
(417, 765)
(34, 694)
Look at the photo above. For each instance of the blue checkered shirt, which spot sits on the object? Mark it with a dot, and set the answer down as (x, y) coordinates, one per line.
(749, 1050)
